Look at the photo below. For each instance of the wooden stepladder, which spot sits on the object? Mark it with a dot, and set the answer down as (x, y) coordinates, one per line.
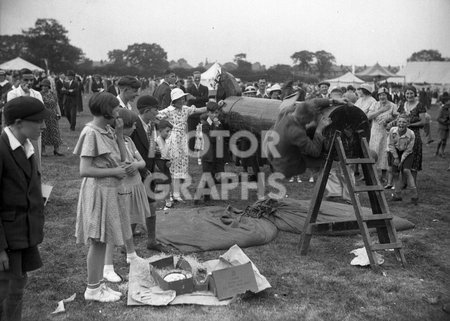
(381, 218)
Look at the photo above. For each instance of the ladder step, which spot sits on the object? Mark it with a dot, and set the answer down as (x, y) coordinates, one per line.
(386, 246)
(377, 217)
(350, 161)
(368, 188)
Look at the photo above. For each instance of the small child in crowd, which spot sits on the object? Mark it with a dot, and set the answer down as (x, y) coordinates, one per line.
(400, 144)
(212, 161)
(132, 196)
(163, 158)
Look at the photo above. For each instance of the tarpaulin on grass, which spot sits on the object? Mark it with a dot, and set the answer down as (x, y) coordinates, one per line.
(290, 215)
(211, 228)
(218, 228)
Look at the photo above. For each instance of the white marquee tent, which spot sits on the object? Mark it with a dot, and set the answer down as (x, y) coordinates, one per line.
(19, 63)
(429, 72)
(345, 80)
(209, 76)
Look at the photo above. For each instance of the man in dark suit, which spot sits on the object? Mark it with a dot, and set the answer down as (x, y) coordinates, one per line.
(59, 84)
(70, 91)
(114, 88)
(199, 98)
(144, 137)
(21, 202)
(323, 91)
(162, 92)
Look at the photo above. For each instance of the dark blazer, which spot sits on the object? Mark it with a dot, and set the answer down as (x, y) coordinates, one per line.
(70, 98)
(162, 93)
(112, 89)
(140, 139)
(21, 202)
(201, 95)
(96, 87)
(210, 154)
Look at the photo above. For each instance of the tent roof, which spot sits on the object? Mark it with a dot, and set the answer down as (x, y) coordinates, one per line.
(19, 63)
(376, 71)
(209, 76)
(347, 78)
(432, 72)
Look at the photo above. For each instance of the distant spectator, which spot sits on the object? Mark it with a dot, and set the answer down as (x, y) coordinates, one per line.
(70, 91)
(262, 85)
(275, 92)
(129, 90)
(250, 91)
(97, 84)
(443, 124)
(162, 92)
(114, 87)
(350, 94)
(51, 135)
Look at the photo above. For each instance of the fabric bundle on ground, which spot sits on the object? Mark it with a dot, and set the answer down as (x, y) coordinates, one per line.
(210, 228)
(218, 228)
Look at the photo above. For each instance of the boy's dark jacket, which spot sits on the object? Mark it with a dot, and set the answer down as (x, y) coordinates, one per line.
(210, 154)
(21, 202)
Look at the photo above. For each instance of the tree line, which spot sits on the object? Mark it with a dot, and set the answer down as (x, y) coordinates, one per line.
(47, 45)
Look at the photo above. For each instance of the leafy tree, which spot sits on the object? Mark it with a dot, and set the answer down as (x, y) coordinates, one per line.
(48, 41)
(149, 57)
(324, 61)
(426, 55)
(280, 73)
(303, 59)
(12, 46)
(116, 56)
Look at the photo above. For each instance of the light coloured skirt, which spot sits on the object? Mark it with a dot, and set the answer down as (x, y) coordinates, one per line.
(133, 199)
(100, 214)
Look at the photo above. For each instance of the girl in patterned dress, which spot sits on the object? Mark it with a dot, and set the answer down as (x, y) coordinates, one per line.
(100, 220)
(133, 197)
(177, 114)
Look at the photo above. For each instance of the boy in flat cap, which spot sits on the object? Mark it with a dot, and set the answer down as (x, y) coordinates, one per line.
(21, 202)
(129, 90)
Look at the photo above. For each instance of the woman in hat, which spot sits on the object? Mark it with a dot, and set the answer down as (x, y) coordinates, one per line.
(381, 113)
(416, 112)
(51, 135)
(250, 91)
(365, 100)
(275, 92)
(177, 114)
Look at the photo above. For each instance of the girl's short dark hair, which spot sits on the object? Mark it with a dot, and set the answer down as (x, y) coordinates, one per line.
(164, 124)
(102, 104)
(129, 117)
(411, 88)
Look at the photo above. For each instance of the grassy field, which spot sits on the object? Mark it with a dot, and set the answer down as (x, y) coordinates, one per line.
(320, 286)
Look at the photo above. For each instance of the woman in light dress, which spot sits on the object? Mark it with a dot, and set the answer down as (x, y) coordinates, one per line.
(177, 143)
(381, 114)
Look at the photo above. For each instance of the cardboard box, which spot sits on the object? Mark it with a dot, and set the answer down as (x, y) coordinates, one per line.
(228, 282)
(180, 286)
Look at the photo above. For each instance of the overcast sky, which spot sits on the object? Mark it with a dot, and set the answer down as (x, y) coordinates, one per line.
(360, 32)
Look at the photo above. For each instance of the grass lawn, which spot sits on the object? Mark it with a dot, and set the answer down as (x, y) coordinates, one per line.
(320, 286)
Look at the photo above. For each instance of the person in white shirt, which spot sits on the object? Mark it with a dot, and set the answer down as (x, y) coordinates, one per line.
(129, 90)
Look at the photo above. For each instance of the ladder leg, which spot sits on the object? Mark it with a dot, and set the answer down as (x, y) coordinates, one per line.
(316, 201)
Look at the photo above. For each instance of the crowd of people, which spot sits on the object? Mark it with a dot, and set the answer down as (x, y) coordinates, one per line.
(120, 149)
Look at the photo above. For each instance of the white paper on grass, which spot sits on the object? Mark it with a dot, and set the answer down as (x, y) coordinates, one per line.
(61, 307)
(46, 191)
(362, 259)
